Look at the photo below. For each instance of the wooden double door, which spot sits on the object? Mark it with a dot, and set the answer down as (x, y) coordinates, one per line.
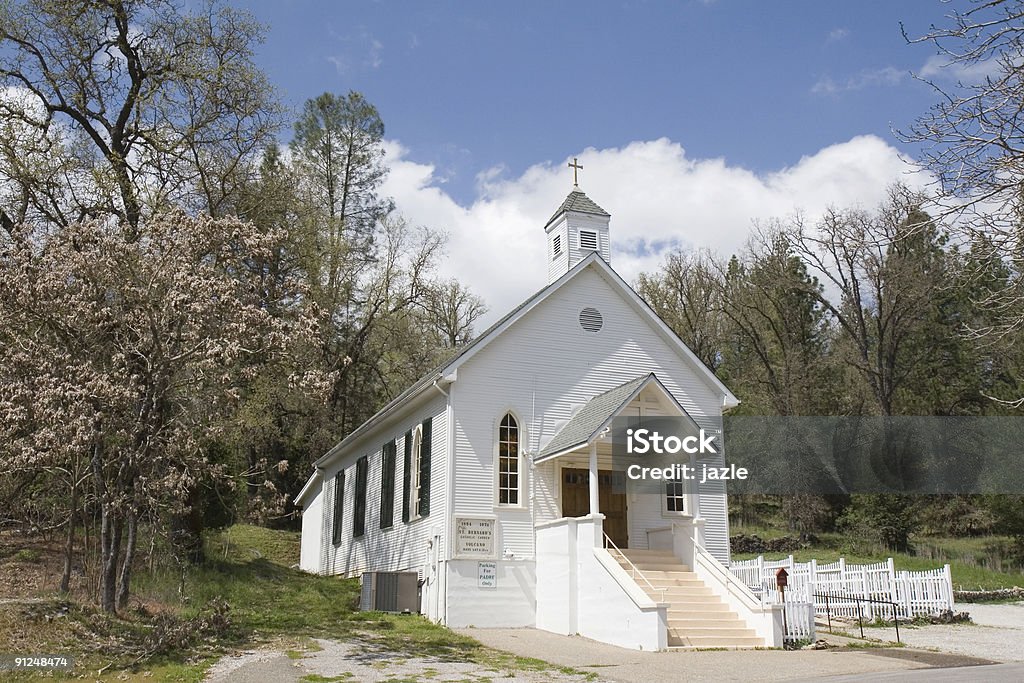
(611, 496)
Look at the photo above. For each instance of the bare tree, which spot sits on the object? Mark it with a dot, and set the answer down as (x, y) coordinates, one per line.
(687, 295)
(972, 140)
(887, 269)
(452, 309)
(143, 105)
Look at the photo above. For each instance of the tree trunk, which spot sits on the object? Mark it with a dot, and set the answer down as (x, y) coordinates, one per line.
(69, 542)
(110, 526)
(124, 583)
(110, 529)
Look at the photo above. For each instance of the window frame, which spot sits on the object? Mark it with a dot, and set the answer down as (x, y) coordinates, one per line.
(498, 489)
(415, 456)
(338, 513)
(388, 483)
(682, 497)
(359, 497)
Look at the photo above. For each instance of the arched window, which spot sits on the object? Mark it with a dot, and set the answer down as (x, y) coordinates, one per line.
(508, 461)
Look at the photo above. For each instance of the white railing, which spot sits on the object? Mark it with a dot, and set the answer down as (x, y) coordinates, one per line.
(914, 592)
(764, 618)
(634, 572)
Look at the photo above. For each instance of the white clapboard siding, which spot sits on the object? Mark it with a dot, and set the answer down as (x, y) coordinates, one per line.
(312, 535)
(558, 266)
(402, 546)
(547, 494)
(543, 368)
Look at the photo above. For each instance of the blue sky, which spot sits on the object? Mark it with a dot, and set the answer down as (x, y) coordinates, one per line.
(469, 86)
(694, 120)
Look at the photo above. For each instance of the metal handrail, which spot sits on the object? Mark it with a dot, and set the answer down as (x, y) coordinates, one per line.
(829, 595)
(635, 571)
(728, 578)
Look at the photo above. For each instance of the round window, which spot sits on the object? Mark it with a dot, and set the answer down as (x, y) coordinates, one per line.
(591, 320)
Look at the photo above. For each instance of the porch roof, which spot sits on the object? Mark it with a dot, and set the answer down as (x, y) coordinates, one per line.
(594, 417)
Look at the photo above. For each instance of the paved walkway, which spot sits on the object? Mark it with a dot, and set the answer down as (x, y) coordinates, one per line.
(628, 666)
(995, 673)
(998, 637)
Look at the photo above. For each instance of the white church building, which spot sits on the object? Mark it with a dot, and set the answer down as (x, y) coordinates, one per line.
(492, 476)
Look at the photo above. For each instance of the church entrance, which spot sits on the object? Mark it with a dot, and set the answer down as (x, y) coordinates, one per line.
(611, 503)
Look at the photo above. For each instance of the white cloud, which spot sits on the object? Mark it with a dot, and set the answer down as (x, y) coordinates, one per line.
(657, 196)
(360, 50)
(837, 34)
(869, 78)
(938, 66)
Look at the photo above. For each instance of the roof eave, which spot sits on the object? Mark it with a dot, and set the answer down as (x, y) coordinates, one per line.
(558, 215)
(316, 476)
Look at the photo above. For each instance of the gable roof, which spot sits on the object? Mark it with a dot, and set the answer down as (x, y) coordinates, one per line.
(580, 203)
(597, 414)
(591, 418)
(451, 365)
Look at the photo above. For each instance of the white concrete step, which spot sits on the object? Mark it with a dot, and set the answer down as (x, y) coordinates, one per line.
(659, 566)
(698, 615)
(680, 575)
(678, 585)
(705, 624)
(702, 642)
(677, 592)
(694, 603)
(646, 556)
(735, 631)
(645, 552)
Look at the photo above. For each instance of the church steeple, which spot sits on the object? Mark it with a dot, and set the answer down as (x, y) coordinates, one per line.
(578, 228)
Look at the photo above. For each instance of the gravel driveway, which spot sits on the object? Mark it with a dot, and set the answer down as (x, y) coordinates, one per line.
(363, 663)
(997, 633)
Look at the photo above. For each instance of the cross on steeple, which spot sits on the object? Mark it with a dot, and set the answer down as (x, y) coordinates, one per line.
(576, 168)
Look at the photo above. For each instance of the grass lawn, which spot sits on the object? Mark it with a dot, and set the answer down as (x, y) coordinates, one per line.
(248, 568)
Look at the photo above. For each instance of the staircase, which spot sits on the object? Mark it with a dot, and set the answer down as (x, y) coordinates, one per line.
(697, 618)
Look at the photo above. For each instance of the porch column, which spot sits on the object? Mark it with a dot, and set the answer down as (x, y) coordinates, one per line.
(693, 491)
(594, 504)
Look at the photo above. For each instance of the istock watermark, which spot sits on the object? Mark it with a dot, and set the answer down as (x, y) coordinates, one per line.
(642, 441)
(700, 474)
(654, 452)
(820, 455)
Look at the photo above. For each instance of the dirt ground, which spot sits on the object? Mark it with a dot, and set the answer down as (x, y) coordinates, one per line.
(997, 633)
(353, 662)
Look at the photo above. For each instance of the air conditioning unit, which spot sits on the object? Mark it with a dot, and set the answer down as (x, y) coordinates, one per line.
(390, 592)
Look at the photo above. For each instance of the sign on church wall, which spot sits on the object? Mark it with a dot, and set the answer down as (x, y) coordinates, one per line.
(486, 574)
(474, 537)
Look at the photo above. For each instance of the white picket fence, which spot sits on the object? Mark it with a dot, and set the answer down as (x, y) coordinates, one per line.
(915, 593)
(799, 619)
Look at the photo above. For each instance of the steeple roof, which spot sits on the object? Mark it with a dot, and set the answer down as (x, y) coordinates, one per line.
(580, 203)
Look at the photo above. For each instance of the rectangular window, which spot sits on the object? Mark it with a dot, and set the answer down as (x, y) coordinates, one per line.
(387, 485)
(556, 245)
(359, 509)
(407, 478)
(675, 496)
(588, 240)
(339, 503)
